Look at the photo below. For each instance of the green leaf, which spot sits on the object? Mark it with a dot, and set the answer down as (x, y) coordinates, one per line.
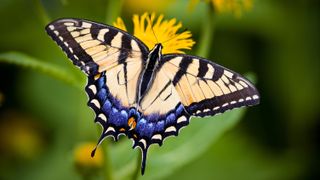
(33, 63)
(192, 141)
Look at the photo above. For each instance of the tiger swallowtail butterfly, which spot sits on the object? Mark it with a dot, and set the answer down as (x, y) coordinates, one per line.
(142, 93)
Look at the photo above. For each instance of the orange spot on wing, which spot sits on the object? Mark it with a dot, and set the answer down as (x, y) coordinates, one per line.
(132, 123)
(122, 130)
(97, 76)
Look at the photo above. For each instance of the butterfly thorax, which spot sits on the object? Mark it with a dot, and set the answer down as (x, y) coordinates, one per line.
(148, 74)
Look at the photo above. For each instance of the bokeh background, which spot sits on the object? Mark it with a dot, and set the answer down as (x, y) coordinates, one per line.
(47, 131)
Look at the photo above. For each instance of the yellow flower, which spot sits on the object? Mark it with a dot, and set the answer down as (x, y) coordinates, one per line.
(120, 24)
(20, 136)
(223, 6)
(152, 30)
(84, 163)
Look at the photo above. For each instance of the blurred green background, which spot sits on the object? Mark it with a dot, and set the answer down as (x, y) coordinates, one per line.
(45, 123)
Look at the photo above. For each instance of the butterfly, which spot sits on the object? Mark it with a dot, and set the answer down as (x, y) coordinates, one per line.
(142, 93)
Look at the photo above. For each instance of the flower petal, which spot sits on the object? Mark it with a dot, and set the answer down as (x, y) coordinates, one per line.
(152, 30)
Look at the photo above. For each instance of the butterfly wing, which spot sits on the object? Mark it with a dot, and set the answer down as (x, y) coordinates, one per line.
(113, 61)
(186, 86)
(95, 47)
(200, 87)
(162, 106)
(163, 114)
(206, 88)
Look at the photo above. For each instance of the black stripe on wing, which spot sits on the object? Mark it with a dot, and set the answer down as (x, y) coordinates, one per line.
(184, 64)
(61, 35)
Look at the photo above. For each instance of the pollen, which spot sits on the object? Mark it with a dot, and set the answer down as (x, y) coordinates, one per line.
(152, 29)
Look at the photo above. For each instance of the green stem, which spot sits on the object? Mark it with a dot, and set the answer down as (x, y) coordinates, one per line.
(207, 34)
(136, 172)
(113, 10)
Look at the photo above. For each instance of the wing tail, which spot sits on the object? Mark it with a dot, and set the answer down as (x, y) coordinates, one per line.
(144, 160)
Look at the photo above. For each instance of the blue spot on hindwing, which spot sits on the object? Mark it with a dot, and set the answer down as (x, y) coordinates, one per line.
(102, 94)
(149, 129)
(106, 108)
(118, 118)
(179, 110)
(124, 114)
(115, 102)
(133, 113)
(141, 126)
(101, 82)
(159, 126)
(114, 110)
(171, 118)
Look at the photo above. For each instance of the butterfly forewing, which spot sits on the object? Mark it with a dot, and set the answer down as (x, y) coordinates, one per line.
(96, 47)
(206, 88)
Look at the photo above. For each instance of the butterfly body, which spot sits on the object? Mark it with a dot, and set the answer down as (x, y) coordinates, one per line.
(151, 66)
(143, 94)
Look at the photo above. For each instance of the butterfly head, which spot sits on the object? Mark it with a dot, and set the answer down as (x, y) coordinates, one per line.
(158, 47)
(157, 50)
(155, 54)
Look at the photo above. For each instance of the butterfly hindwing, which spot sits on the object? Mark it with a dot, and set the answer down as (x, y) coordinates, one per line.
(161, 106)
(206, 88)
(110, 112)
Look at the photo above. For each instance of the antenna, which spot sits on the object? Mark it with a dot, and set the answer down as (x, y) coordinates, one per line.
(154, 34)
